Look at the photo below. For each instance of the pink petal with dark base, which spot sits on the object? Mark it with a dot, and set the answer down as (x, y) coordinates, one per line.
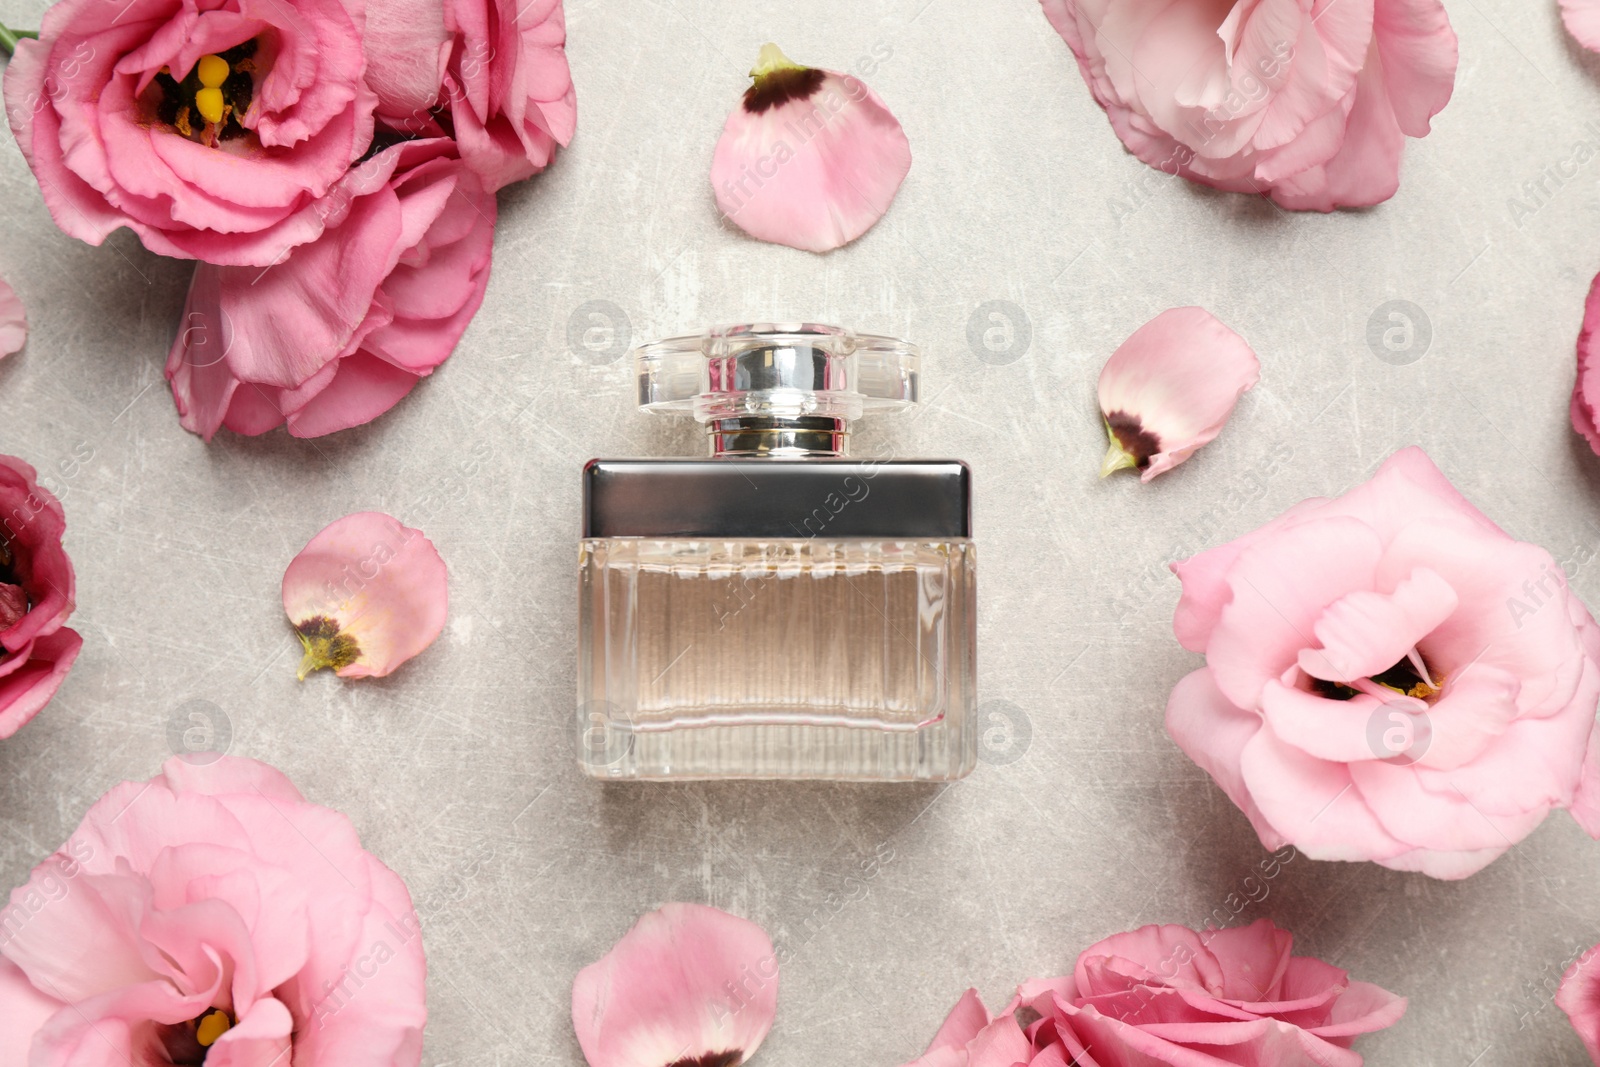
(1170, 387)
(365, 595)
(689, 986)
(810, 158)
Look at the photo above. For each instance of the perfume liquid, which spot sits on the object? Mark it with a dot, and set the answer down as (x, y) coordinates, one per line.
(779, 610)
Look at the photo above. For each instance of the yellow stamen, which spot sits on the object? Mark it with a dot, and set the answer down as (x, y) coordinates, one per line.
(213, 71)
(209, 103)
(211, 1027)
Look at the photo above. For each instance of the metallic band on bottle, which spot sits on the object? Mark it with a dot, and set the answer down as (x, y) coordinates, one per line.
(778, 436)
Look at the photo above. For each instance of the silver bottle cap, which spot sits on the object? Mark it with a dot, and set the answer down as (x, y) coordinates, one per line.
(777, 390)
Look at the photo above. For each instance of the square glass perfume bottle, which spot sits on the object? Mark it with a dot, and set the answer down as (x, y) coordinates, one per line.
(779, 609)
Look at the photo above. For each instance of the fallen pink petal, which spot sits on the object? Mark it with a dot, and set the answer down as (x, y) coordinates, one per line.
(1170, 387)
(810, 158)
(688, 985)
(13, 321)
(365, 595)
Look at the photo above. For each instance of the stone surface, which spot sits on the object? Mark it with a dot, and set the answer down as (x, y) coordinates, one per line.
(458, 770)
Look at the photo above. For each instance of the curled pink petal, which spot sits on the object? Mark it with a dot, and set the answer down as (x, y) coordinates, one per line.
(13, 321)
(1169, 388)
(346, 325)
(810, 158)
(1579, 997)
(687, 985)
(508, 85)
(365, 595)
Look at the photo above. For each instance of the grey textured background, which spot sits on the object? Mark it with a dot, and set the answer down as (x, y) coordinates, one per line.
(459, 770)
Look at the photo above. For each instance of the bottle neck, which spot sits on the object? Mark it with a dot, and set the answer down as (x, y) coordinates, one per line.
(778, 437)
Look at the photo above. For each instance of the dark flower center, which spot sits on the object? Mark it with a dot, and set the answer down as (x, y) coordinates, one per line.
(325, 645)
(186, 1044)
(195, 107)
(1404, 678)
(729, 1058)
(781, 86)
(1135, 440)
(13, 598)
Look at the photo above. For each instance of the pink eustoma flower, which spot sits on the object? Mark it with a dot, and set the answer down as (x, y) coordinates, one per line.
(688, 986)
(491, 73)
(1307, 101)
(1579, 997)
(211, 915)
(1170, 387)
(1586, 389)
(1390, 677)
(36, 596)
(810, 158)
(1171, 995)
(13, 321)
(211, 130)
(343, 328)
(365, 595)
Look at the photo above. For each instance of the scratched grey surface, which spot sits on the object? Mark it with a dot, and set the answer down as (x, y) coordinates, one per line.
(458, 770)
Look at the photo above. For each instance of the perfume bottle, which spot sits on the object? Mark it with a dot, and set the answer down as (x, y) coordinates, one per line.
(780, 609)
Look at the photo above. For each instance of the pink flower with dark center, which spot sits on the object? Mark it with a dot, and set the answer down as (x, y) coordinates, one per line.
(211, 915)
(688, 986)
(36, 596)
(211, 130)
(810, 158)
(1579, 997)
(13, 321)
(365, 595)
(344, 327)
(1390, 677)
(1307, 101)
(1169, 388)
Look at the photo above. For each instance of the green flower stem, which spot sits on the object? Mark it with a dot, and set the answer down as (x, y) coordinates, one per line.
(10, 37)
